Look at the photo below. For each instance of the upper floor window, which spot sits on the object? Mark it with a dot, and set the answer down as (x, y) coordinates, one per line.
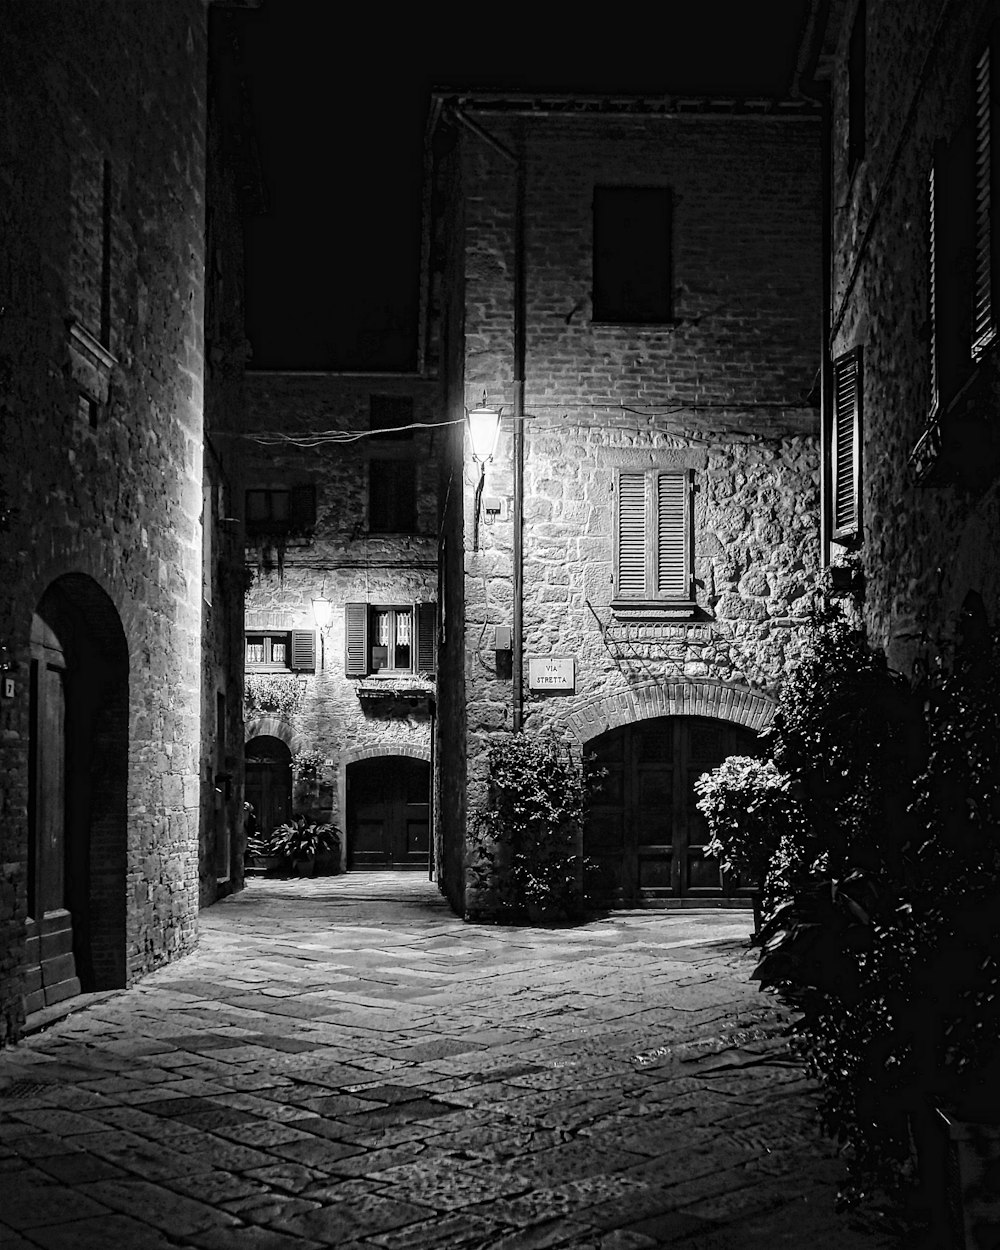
(280, 509)
(633, 280)
(844, 485)
(280, 651)
(389, 638)
(986, 279)
(653, 537)
(857, 56)
(392, 496)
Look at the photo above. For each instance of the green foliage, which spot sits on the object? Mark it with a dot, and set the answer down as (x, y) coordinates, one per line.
(272, 692)
(748, 805)
(525, 846)
(301, 839)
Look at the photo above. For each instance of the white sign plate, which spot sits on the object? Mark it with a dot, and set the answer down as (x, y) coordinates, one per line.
(552, 673)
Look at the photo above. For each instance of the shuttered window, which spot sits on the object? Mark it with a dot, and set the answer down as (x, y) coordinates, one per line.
(952, 265)
(987, 169)
(303, 650)
(389, 638)
(846, 449)
(653, 536)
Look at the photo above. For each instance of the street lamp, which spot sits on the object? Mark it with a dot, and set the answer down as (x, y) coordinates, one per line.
(484, 430)
(322, 615)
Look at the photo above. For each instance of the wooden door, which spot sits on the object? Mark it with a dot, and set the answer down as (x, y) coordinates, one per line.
(388, 813)
(644, 830)
(269, 782)
(51, 964)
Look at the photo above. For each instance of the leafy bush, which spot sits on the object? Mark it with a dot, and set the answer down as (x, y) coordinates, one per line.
(301, 839)
(272, 692)
(525, 846)
(748, 805)
(882, 924)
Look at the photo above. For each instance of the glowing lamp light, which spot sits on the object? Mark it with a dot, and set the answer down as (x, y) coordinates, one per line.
(322, 612)
(484, 430)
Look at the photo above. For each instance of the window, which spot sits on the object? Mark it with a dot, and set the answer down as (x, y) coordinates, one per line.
(281, 651)
(951, 230)
(857, 55)
(653, 537)
(845, 453)
(280, 510)
(389, 413)
(633, 282)
(389, 638)
(986, 279)
(392, 496)
(267, 651)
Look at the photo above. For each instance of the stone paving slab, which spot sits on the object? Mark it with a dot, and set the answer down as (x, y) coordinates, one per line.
(343, 1063)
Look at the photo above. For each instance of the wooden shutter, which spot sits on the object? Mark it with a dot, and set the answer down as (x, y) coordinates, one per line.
(673, 580)
(425, 657)
(952, 223)
(631, 535)
(932, 286)
(356, 639)
(982, 293)
(302, 507)
(846, 451)
(303, 650)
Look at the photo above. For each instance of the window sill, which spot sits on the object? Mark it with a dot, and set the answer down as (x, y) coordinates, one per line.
(267, 668)
(665, 323)
(401, 685)
(654, 610)
(960, 445)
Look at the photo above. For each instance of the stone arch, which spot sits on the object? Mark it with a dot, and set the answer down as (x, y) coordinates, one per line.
(353, 756)
(271, 727)
(714, 699)
(80, 613)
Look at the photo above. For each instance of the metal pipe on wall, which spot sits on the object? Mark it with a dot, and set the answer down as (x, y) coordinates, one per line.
(517, 657)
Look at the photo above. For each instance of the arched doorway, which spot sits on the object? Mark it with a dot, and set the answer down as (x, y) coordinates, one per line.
(644, 830)
(77, 794)
(269, 781)
(388, 813)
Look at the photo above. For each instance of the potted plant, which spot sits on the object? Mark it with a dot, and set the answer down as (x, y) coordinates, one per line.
(260, 854)
(304, 842)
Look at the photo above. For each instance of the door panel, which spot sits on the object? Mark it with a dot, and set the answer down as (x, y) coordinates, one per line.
(269, 782)
(388, 813)
(644, 830)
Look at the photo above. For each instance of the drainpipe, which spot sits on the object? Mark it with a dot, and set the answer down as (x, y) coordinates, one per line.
(517, 657)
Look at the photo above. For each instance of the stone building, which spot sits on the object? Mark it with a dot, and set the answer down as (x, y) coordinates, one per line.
(341, 521)
(108, 562)
(911, 439)
(634, 285)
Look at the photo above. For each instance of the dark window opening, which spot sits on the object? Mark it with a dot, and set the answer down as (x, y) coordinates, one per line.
(392, 497)
(633, 281)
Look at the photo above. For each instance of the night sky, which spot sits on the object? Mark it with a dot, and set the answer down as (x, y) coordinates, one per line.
(339, 104)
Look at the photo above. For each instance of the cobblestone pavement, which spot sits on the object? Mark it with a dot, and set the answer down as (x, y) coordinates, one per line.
(344, 1063)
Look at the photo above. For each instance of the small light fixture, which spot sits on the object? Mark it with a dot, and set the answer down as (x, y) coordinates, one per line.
(322, 612)
(484, 430)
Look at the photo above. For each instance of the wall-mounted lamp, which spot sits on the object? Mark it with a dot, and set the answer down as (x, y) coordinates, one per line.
(322, 612)
(484, 430)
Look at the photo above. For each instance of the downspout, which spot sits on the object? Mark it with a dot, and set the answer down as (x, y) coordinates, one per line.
(520, 319)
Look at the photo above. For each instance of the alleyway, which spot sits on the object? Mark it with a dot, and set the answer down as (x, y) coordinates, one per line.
(344, 1063)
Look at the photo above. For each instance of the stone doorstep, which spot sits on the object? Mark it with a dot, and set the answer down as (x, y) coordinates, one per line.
(45, 1017)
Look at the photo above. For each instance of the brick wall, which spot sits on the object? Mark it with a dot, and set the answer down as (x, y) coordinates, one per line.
(727, 391)
(101, 221)
(924, 546)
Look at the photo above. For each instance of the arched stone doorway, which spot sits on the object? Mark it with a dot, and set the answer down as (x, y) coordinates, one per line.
(268, 782)
(388, 812)
(77, 794)
(644, 831)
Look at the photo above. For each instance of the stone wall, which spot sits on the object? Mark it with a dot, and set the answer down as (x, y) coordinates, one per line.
(101, 220)
(340, 561)
(925, 545)
(727, 391)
